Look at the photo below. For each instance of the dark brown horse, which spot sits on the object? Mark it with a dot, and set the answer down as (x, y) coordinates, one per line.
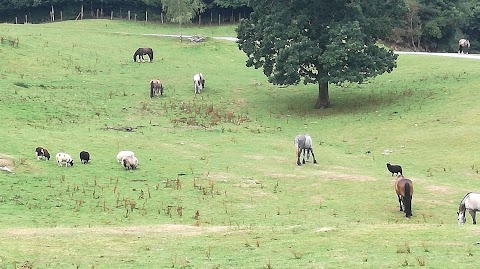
(143, 51)
(156, 87)
(404, 189)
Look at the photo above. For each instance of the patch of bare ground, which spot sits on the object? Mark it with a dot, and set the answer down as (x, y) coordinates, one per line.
(324, 229)
(171, 229)
(440, 190)
(325, 175)
(7, 162)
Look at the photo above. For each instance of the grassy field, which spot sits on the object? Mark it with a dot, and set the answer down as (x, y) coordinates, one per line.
(217, 184)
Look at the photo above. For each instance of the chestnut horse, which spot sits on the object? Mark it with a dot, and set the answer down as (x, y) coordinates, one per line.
(404, 189)
(156, 87)
(143, 51)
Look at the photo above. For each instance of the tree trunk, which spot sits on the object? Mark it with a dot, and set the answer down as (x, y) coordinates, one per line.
(323, 101)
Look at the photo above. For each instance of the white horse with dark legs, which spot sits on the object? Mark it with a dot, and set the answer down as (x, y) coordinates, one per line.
(470, 202)
(198, 83)
(463, 45)
(303, 143)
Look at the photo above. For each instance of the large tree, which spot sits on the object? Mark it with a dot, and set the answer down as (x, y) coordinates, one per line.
(319, 41)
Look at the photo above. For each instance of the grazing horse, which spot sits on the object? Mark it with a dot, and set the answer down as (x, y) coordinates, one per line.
(198, 83)
(303, 143)
(463, 45)
(156, 87)
(404, 190)
(143, 51)
(470, 202)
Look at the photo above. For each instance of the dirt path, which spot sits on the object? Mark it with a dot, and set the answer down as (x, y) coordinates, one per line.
(187, 230)
(442, 54)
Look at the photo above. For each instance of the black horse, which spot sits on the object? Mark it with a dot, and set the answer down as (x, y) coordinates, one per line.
(143, 51)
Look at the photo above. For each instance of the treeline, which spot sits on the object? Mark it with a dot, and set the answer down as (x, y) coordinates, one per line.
(428, 25)
(437, 25)
(195, 11)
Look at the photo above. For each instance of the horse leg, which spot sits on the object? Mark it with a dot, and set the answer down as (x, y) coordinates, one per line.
(298, 157)
(303, 160)
(400, 200)
(473, 214)
(313, 156)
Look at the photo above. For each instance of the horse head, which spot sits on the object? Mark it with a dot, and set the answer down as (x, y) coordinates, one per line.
(461, 217)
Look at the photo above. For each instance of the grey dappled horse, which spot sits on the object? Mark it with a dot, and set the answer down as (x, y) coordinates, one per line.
(303, 143)
(463, 45)
(470, 202)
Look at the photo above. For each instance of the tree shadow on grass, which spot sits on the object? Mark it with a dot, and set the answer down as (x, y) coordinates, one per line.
(344, 101)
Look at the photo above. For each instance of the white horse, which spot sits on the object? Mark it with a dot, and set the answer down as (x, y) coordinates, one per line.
(463, 45)
(470, 202)
(303, 143)
(198, 83)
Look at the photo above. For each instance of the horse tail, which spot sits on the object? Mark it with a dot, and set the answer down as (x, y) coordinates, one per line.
(152, 89)
(135, 57)
(407, 200)
(151, 55)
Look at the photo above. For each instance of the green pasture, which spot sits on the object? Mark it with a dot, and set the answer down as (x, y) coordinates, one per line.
(217, 184)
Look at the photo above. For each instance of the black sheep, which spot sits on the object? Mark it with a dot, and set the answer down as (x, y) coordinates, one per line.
(394, 169)
(84, 157)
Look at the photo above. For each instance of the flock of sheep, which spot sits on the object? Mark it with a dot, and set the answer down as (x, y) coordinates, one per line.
(125, 157)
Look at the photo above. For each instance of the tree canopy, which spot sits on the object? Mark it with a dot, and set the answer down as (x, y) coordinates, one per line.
(319, 41)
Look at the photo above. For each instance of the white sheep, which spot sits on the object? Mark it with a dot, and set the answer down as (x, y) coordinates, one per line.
(63, 158)
(124, 153)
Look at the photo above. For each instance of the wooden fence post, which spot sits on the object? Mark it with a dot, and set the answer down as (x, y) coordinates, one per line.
(146, 16)
(26, 19)
(111, 15)
(128, 15)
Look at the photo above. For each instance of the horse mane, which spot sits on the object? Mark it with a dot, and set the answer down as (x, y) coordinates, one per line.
(461, 207)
